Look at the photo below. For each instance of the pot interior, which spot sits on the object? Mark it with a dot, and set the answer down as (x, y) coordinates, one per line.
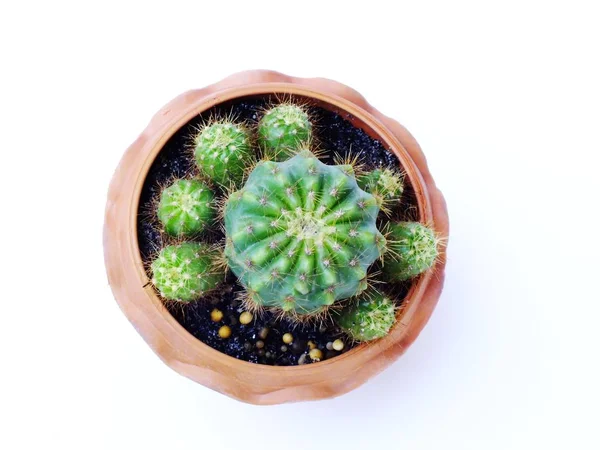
(339, 134)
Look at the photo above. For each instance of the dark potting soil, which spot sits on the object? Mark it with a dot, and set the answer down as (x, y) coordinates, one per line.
(260, 341)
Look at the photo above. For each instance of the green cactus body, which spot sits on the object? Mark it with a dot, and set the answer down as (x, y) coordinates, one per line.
(222, 152)
(369, 318)
(301, 234)
(283, 130)
(185, 272)
(386, 185)
(186, 208)
(413, 250)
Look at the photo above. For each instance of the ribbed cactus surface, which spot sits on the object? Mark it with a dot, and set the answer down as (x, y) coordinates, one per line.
(301, 234)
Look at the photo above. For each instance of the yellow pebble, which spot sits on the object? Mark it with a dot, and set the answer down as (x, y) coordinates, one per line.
(338, 344)
(245, 318)
(315, 354)
(216, 315)
(224, 332)
(311, 345)
(287, 338)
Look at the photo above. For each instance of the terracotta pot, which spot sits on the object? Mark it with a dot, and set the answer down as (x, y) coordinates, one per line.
(256, 383)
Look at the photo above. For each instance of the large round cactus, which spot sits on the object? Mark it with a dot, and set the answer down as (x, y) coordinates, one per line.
(301, 234)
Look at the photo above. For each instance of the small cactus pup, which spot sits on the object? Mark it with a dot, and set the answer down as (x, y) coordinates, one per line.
(186, 208)
(186, 271)
(413, 248)
(301, 235)
(222, 151)
(370, 317)
(386, 185)
(283, 130)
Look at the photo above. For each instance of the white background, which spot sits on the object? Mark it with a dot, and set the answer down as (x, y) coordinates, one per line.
(504, 98)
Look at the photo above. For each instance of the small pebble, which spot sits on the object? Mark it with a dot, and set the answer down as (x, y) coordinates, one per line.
(311, 345)
(338, 345)
(288, 338)
(302, 359)
(298, 346)
(283, 348)
(269, 354)
(329, 346)
(260, 344)
(316, 354)
(224, 332)
(261, 352)
(247, 346)
(245, 318)
(216, 315)
(263, 333)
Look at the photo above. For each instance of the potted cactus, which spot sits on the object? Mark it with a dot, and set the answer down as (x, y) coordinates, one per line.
(272, 239)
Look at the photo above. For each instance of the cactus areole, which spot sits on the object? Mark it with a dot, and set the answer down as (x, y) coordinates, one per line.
(301, 234)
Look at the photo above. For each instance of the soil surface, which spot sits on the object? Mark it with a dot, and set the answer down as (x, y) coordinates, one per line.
(260, 341)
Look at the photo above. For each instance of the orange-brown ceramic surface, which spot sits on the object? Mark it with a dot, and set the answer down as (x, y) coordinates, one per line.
(254, 383)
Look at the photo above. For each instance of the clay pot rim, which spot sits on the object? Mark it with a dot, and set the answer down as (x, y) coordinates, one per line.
(293, 89)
